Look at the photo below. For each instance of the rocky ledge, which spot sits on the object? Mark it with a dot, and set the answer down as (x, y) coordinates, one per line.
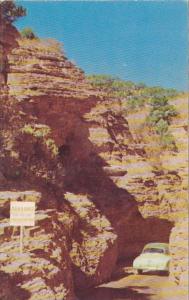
(100, 199)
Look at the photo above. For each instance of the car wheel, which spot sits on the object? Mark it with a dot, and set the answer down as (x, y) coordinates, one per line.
(163, 273)
(139, 272)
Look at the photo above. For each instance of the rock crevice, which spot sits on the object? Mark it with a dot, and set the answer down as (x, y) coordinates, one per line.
(100, 199)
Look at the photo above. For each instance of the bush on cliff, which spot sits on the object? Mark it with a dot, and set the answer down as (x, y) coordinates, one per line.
(132, 95)
(160, 117)
(10, 12)
(135, 96)
(27, 33)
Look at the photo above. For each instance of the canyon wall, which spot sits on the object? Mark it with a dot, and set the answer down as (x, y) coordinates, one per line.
(37, 120)
(100, 197)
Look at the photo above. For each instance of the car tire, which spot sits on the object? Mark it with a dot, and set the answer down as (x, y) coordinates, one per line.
(163, 273)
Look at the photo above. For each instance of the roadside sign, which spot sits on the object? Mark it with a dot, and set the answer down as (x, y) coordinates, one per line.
(22, 214)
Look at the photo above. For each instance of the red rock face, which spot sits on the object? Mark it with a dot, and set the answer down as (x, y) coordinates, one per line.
(179, 251)
(43, 125)
(8, 37)
(69, 142)
(44, 267)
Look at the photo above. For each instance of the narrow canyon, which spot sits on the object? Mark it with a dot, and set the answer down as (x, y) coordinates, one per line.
(100, 195)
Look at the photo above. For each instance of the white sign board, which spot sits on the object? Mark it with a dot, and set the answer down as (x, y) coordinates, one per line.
(22, 213)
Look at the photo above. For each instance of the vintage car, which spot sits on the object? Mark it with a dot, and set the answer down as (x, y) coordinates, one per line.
(154, 257)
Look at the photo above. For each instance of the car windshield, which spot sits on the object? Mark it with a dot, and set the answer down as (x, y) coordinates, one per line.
(153, 250)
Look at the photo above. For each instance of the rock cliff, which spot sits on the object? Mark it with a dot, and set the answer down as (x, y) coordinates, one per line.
(38, 119)
(100, 197)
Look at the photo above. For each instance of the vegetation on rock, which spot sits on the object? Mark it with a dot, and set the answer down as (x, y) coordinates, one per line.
(73, 236)
(134, 96)
(160, 116)
(28, 33)
(10, 12)
(42, 132)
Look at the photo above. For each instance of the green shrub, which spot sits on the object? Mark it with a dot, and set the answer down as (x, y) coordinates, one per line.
(154, 117)
(134, 96)
(160, 116)
(136, 102)
(167, 141)
(50, 143)
(161, 127)
(158, 101)
(37, 130)
(28, 33)
(162, 112)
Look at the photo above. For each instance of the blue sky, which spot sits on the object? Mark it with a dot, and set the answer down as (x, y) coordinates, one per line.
(143, 41)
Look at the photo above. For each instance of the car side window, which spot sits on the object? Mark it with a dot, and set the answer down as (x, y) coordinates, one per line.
(154, 250)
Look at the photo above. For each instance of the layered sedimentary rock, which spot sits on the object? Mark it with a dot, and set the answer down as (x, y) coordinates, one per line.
(178, 197)
(43, 270)
(100, 197)
(159, 184)
(42, 109)
(58, 242)
(179, 252)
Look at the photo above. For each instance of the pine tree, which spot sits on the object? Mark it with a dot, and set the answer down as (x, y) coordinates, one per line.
(10, 12)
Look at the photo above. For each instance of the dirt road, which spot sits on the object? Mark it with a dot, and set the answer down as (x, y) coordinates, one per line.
(136, 287)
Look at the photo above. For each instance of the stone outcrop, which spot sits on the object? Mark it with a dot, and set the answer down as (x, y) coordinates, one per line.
(94, 243)
(178, 196)
(125, 162)
(59, 242)
(100, 197)
(159, 184)
(8, 37)
(43, 270)
(8, 41)
(42, 111)
(179, 252)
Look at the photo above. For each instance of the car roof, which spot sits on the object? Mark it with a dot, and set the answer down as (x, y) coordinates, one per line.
(157, 245)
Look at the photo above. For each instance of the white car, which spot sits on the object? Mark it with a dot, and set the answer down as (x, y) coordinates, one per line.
(154, 257)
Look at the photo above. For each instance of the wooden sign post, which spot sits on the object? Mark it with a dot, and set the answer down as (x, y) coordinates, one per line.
(22, 214)
(21, 238)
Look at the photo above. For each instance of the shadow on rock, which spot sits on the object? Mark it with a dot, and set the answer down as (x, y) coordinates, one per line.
(106, 293)
(8, 289)
(84, 174)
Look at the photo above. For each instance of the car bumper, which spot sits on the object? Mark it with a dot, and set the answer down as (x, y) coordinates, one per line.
(151, 268)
